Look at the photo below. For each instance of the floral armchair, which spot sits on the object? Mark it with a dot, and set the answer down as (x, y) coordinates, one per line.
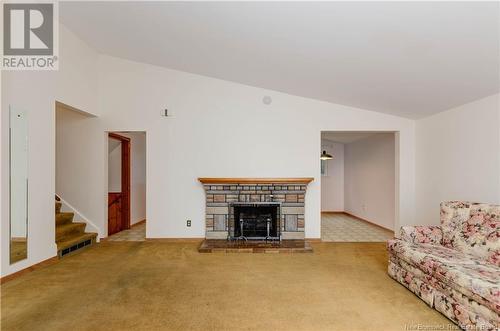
(454, 267)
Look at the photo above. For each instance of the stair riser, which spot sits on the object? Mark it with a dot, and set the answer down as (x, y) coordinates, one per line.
(64, 218)
(76, 240)
(69, 234)
(61, 251)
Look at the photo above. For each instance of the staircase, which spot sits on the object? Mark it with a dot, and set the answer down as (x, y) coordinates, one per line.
(70, 236)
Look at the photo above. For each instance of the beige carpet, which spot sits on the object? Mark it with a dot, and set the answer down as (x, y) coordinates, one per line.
(170, 286)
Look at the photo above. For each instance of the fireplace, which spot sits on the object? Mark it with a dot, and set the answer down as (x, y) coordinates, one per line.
(254, 220)
(254, 201)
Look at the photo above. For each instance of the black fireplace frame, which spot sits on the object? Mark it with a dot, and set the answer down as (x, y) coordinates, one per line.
(232, 223)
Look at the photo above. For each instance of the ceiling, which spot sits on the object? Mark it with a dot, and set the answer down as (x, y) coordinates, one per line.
(410, 59)
(347, 137)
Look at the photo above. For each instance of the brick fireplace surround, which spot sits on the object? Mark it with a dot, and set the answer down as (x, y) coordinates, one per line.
(221, 192)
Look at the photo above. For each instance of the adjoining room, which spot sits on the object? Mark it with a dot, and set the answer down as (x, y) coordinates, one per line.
(358, 186)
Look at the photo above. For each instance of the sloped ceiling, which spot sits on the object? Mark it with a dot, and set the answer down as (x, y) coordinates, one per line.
(410, 59)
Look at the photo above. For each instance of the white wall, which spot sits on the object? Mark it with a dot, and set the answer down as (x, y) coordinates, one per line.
(39, 109)
(222, 129)
(219, 129)
(35, 92)
(370, 179)
(332, 185)
(458, 157)
(114, 167)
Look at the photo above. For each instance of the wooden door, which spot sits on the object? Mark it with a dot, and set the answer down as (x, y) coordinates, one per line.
(114, 212)
(125, 201)
(119, 202)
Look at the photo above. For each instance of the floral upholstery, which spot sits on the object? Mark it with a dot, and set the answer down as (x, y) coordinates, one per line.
(473, 228)
(460, 271)
(459, 314)
(422, 234)
(415, 284)
(466, 313)
(455, 267)
(478, 305)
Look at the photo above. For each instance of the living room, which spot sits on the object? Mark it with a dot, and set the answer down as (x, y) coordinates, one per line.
(234, 99)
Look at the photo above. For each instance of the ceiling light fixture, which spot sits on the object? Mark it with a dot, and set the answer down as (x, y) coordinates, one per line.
(326, 156)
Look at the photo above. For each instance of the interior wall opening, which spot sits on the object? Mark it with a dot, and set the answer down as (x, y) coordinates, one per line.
(358, 185)
(75, 228)
(126, 198)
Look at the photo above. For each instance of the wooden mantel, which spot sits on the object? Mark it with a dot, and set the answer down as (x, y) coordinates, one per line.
(222, 180)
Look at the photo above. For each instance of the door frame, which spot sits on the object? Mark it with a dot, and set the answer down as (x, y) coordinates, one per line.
(125, 180)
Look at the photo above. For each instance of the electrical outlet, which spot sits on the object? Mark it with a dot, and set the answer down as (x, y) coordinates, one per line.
(188, 223)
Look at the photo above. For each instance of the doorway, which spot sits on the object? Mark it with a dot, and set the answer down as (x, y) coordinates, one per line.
(118, 183)
(358, 186)
(126, 198)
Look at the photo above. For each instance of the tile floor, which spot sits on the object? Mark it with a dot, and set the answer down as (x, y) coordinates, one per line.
(334, 227)
(135, 233)
(338, 227)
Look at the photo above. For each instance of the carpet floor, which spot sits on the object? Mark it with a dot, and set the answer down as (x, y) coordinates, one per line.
(170, 286)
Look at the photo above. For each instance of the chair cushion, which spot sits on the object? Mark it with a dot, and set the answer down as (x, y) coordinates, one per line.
(462, 272)
(472, 228)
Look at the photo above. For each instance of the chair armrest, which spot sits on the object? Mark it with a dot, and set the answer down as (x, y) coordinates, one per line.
(425, 234)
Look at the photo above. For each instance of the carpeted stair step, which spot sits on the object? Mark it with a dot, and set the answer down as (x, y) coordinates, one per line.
(64, 218)
(68, 242)
(69, 229)
(70, 236)
(58, 207)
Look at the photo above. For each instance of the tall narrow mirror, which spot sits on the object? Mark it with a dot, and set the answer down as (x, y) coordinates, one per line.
(18, 188)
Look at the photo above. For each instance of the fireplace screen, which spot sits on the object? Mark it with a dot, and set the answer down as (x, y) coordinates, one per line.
(260, 221)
